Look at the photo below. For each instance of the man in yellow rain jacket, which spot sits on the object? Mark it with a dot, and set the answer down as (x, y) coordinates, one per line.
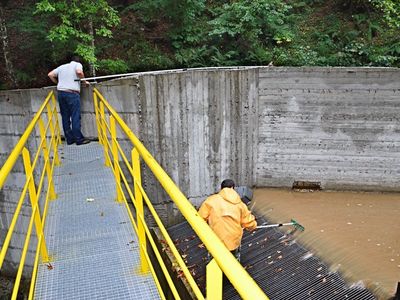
(227, 215)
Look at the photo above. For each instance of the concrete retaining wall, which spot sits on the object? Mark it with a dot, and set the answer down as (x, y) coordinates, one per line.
(259, 126)
(200, 126)
(17, 110)
(336, 126)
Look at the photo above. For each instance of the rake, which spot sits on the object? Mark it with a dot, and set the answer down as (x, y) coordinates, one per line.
(294, 223)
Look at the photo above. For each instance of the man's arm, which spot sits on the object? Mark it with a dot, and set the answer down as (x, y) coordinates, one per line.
(248, 220)
(53, 76)
(81, 75)
(204, 210)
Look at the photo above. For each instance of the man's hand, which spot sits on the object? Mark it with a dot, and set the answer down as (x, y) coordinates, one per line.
(85, 83)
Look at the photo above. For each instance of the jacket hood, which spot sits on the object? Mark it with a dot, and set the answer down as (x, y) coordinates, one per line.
(230, 195)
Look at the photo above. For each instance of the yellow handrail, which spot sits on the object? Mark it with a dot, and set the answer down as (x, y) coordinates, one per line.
(241, 280)
(47, 149)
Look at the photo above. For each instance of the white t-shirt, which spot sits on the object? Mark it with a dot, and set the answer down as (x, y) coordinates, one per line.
(66, 76)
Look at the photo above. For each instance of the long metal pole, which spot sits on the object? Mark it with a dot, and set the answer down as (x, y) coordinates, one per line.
(164, 72)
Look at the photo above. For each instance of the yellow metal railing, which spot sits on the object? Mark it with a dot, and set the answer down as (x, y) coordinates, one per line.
(42, 166)
(107, 120)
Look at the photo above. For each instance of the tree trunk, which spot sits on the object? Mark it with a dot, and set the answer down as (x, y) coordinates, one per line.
(91, 32)
(6, 54)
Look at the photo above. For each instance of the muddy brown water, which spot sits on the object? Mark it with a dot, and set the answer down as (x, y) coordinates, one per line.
(355, 233)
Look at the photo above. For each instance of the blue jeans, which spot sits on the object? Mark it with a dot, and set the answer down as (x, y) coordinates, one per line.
(70, 109)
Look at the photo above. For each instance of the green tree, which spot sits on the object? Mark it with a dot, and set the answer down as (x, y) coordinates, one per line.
(78, 23)
(249, 27)
(5, 47)
(391, 11)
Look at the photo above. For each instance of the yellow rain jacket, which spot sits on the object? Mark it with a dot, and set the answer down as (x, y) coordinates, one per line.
(227, 215)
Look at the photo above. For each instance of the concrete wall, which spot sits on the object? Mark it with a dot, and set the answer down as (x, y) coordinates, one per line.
(272, 126)
(336, 126)
(200, 126)
(16, 111)
(259, 126)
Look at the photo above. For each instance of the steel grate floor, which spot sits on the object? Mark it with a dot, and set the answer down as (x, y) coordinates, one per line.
(282, 268)
(94, 247)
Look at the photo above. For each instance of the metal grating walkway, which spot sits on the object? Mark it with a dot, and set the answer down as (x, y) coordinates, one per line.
(283, 268)
(94, 247)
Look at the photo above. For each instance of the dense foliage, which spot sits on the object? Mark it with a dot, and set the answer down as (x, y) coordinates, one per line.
(119, 36)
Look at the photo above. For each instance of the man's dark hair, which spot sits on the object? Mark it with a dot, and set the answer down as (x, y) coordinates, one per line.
(227, 183)
(75, 58)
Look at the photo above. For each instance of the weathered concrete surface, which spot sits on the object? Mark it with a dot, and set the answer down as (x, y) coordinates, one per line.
(336, 126)
(200, 126)
(17, 108)
(262, 127)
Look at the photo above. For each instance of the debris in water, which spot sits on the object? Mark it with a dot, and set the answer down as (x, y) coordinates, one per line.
(89, 199)
(49, 267)
(307, 256)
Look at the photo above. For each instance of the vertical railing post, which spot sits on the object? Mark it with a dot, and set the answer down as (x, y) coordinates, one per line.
(46, 156)
(57, 126)
(115, 155)
(144, 266)
(104, 135)
(53, 141)
(34, 202)
(96, 110)
(213, 280)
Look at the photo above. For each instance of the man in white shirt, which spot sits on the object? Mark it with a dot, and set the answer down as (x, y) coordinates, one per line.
(68, 90)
